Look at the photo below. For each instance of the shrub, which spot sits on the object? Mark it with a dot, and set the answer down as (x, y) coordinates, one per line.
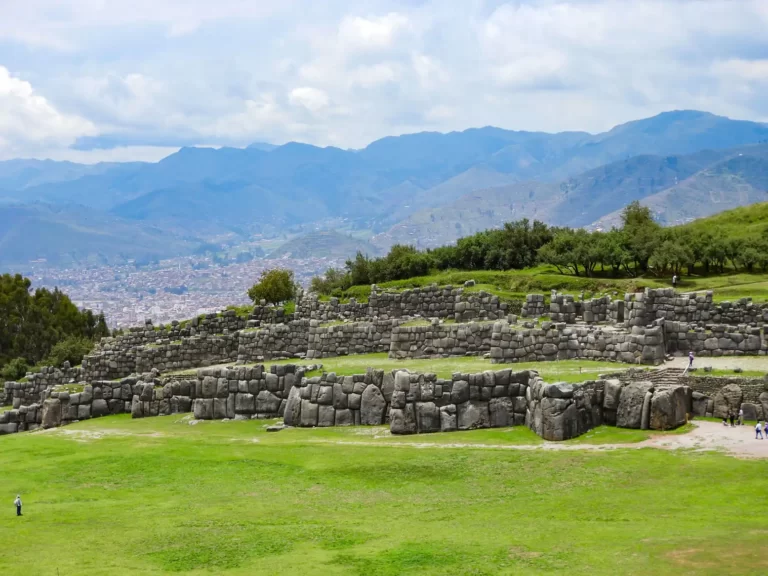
(71, 349)
(14, 370)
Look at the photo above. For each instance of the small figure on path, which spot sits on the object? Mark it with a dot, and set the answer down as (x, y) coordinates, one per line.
(758, 431)
(17, 502)
(741, 417)
(766, 427)
(674, 280)
(732, 417)
(690, 360)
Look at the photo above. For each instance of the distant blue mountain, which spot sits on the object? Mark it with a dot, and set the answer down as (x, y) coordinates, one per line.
(243, 189)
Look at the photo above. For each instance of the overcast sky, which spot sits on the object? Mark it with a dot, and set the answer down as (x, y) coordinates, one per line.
(122, 80)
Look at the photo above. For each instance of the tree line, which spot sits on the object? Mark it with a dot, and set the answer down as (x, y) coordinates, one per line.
(42, 327)
(639, 246)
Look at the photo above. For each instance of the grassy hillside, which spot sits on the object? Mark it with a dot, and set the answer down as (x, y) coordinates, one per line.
(323, 244)
(743, 222)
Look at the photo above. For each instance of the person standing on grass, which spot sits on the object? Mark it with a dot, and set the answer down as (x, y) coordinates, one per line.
(758, 432)
(674, 281)
(17, 502)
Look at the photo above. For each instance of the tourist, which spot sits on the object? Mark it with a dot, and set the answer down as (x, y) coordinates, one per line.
(732, 417)
(690, 360)
(674, 280)
(758, 432)
(17, 502)
(766, 427)
(741, 417)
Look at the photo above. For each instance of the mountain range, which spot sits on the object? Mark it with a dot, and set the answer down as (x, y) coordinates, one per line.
(427, 188)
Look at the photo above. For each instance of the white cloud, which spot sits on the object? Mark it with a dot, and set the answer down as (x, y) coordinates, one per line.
(28, 121)
(152, 74)
(375, 33)
(313, 99)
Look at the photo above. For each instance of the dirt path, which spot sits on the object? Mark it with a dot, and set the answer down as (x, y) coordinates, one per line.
(738, 441)
(722, 363)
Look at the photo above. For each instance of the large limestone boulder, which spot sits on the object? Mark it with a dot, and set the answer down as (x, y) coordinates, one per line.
(700, 401)
(502, 412)
(427, 417)
(51, 413)
(728, 401)
(293, 407)
(448, 418)
(388, 386)
(668, 408)
(372, 406)
(267, 403)
(344, 417)
(245, 403)
(559, 419)
(630, 410)
(326, 415)
(611, 400)
(764, 402)
(473, 414)
(403, 420)
(308, 415)
(99, 408)
(750, 411)
(202, 408)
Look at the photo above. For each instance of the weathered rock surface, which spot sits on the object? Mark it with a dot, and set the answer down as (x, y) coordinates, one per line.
(630, 409)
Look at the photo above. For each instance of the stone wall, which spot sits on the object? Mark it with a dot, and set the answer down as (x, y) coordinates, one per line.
(350, 338)
(438, 339)
(427, 302)
(273, 341)
(562, 308)
(558, 341)
(533, 307)
(714, 339)
(330, 400)
(20, 419)
(423, 403)
(61, 407)
(188, 353)
(243, 393)
(116, 357)
(698, 308)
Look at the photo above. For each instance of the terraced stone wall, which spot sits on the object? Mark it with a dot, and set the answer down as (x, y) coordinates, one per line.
(350, 338)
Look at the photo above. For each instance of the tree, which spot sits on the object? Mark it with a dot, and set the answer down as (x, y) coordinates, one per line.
(641, 232)
(274, 286)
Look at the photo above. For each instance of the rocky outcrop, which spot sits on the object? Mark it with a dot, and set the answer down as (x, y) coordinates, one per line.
(630, 409)
(728, 401)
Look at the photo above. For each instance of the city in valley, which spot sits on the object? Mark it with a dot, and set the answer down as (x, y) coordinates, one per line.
(174, 289)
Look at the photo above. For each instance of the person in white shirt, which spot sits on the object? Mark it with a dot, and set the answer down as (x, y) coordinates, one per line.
(17, 502)
(741, 417)
(758, 432)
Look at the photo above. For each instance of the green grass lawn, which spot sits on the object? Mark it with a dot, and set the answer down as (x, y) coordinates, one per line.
(565, 370)
(119, 496)
(513, 285)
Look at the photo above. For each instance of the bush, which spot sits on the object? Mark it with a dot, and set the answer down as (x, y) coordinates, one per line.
(71, 349)
(274, 286)
(14, 370)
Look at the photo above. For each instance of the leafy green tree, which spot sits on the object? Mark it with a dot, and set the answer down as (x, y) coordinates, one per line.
(642, 233)
(274, 286)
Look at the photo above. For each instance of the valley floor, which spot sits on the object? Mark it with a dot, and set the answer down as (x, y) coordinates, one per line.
(151, 496)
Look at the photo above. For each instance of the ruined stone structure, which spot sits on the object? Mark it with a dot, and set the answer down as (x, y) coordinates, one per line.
(122, 374)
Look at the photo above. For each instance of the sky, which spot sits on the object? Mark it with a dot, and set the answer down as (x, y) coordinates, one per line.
(111, 80)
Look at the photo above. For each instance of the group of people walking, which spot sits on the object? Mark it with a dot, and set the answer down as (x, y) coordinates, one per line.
(759, 432)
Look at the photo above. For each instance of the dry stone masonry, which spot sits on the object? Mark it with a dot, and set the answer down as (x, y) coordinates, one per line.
(123, 373)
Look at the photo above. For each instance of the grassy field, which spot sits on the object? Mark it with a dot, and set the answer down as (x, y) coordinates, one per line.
(513, 285)
(120, 496)
(566, 370)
